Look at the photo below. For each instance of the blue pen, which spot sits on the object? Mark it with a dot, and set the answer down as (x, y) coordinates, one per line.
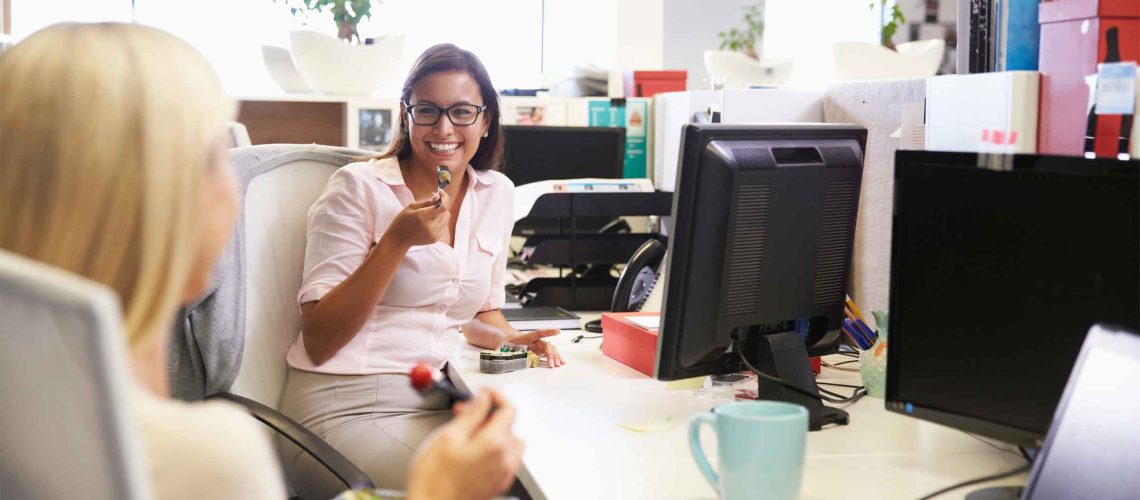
(867, 331)
(853, 332)
(851, 337)
(857, 326)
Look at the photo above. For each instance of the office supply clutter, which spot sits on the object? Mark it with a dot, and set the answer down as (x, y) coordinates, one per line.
(507, 358)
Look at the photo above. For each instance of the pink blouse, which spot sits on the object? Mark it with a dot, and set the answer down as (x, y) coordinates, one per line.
(437, 288)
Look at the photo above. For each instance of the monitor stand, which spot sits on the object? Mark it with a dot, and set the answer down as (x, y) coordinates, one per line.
(784, 355)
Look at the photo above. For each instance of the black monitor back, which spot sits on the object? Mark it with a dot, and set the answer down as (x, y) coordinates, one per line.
(999, 265)
(539, 153)
(764, 219)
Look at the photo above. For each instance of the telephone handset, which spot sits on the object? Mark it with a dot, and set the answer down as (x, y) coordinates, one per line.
(636, 282)
(638, 277)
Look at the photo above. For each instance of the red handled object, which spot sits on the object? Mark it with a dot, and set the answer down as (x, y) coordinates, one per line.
(423, 380)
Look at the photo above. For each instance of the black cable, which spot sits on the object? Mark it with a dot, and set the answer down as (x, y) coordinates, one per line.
(1025, 453)
(840, 385)
(963, 484)
(835, 398)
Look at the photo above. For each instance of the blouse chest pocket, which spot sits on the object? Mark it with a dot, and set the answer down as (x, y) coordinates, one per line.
(489, 244)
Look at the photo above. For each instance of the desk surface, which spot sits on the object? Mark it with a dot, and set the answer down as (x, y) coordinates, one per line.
(570, 420)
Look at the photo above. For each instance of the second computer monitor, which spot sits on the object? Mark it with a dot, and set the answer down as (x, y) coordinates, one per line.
(764, 219)
(539, 153)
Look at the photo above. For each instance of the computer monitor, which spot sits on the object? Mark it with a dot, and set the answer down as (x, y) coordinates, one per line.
(540, 153)
(763, 223)
(999, 265)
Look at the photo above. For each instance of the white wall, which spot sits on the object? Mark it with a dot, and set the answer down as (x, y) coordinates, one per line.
(640, 35)
(691, 28)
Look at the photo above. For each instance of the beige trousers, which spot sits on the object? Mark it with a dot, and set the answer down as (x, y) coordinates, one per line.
(376, 421)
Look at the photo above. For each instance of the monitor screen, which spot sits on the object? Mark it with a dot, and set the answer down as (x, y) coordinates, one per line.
(1091, 450)
(997, 272)
(763, 223)
(539, 153)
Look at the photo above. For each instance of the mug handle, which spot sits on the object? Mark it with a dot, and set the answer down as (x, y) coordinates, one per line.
(698, 453)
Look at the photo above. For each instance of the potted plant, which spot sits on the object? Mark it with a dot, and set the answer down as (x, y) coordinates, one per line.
(889, 22)
(342, 65)
(746, 38)
(346, 13)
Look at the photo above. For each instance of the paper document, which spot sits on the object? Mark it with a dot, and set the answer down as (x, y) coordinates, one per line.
(646, 322)
(527, 194)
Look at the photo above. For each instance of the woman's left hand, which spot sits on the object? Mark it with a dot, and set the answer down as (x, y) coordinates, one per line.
(533, 341)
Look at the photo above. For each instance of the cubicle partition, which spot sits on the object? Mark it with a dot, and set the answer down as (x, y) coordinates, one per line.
(878, 107)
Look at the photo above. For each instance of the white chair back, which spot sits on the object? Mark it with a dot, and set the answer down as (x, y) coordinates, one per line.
(66, 429)
(275, 217)
(733, 70)
(859, 61)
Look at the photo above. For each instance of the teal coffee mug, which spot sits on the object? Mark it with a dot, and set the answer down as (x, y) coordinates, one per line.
(760, 449)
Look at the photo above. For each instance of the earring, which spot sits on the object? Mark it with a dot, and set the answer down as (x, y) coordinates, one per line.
(485, 134)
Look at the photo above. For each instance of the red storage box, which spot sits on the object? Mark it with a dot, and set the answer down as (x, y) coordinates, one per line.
(1072, 43)
(629, 343)
(651, 83)
(636, 346)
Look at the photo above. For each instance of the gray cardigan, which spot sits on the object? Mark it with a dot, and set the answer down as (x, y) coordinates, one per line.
(209, 334)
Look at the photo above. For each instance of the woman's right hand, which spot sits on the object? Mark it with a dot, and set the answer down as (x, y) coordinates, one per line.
(475, 456)
(422, 222)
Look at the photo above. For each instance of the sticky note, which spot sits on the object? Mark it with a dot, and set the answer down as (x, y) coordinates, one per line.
(685, 384)
(650, 426)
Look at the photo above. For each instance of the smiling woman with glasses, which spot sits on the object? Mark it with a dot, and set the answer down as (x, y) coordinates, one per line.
(400, 268)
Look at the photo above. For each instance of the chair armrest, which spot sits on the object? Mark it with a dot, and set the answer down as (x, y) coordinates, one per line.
(347, 472)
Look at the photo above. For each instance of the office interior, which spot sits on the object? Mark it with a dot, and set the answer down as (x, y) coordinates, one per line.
(912, 224)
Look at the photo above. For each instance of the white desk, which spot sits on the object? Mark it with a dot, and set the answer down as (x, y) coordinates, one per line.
(569, 418)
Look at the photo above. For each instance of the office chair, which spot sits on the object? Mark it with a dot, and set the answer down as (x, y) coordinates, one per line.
(66, 430)
(286, 180)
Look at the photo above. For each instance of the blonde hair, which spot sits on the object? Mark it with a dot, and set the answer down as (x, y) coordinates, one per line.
(105, 131)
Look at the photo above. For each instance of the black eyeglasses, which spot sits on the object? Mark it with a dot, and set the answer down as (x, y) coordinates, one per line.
(461, 115)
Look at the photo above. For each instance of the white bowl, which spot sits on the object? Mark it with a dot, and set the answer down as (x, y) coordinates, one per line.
(282, 71)
(866, 61)
(334, 67)
(735, 70)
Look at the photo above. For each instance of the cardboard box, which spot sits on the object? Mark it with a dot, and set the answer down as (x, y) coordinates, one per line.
(1073, 42)
(629, 343)
(982, 112)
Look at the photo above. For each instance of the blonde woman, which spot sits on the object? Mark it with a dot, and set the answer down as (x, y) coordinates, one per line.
(113, 166)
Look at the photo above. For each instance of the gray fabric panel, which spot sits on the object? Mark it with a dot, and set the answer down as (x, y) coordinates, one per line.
(209, 334)
(877, 106)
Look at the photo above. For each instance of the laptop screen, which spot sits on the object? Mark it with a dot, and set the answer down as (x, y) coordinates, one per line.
(1093, 446)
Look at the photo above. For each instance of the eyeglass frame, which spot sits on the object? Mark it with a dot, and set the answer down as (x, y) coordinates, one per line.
(444, 112)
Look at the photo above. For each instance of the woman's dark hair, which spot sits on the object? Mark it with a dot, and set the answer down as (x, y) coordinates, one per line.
(448, 57)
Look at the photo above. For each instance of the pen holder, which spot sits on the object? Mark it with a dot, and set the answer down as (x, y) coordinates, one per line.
(873, 368)
(873, 361)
